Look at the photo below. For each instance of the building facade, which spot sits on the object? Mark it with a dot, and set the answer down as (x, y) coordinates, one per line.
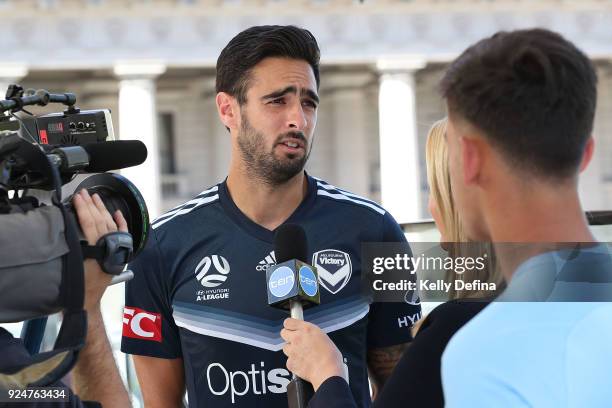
(152, 63)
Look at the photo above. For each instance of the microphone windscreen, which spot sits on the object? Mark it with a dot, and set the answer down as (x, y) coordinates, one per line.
(290, 243)
(114, 155)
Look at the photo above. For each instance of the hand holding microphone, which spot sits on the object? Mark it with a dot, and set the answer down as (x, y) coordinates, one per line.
(293, 284)
(311, 354)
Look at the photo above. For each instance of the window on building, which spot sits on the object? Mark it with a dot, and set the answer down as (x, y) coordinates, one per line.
(165, 129)
(171, 181)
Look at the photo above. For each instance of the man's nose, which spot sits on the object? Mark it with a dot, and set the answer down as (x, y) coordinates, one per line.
(296, 119)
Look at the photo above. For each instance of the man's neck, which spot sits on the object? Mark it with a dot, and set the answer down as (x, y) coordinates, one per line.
(266, 205)
(539, 220)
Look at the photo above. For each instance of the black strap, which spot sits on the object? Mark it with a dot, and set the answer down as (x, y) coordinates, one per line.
(93, 252)
(73, 331)
(112, 251)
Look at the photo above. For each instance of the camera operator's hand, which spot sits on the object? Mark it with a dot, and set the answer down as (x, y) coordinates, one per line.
(95, 222)
(95, 374)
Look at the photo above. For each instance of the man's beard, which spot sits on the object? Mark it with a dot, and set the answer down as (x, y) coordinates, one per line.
(265, 165)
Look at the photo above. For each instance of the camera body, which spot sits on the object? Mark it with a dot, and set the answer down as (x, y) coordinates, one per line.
(62, 135)
(72, 127)
(41, 246)
(39, 155)
(74, 142)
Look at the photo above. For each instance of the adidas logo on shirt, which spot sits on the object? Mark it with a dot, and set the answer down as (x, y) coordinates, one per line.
(267, 262)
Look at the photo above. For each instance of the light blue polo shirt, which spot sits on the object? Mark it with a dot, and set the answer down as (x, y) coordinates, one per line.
(547, 342)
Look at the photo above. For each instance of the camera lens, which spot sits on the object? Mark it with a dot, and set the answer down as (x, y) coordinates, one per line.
(118, 193)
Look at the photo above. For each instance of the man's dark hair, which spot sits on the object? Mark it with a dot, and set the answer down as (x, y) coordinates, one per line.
(254, 44)
(532, 93)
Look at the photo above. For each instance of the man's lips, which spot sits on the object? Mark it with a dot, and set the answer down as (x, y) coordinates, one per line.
(292, 143)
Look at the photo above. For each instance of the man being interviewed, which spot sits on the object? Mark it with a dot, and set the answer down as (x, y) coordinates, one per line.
(196, 312)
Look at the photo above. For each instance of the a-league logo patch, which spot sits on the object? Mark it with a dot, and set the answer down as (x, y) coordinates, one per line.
(219, 272)
(334, 269)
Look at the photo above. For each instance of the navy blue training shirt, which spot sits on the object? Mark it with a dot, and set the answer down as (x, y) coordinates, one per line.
(199, 293)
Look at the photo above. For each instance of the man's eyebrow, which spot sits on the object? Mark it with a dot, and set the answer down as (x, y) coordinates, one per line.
(312, 95)
(293, 90)
(281, 92)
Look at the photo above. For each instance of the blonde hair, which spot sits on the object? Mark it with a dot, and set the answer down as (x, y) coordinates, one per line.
(438, 177)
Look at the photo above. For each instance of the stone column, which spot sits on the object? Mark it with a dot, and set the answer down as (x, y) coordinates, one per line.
(138, 121)
(399, 165)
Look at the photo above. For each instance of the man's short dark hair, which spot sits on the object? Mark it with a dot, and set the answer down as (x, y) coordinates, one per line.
(254, 44)
(532, 93)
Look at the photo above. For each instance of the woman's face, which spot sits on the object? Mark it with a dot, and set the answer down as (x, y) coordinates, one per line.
(435, 213)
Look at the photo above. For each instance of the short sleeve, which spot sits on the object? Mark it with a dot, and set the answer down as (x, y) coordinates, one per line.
(392, 232)
(471, 380)
(148, 326)
(389, 323)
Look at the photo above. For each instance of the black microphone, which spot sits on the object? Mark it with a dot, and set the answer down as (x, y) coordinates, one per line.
(100, 157)
(113, 155)
(290, 242)
(293, 284)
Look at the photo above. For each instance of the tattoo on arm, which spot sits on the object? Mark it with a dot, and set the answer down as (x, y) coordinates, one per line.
(381, 362)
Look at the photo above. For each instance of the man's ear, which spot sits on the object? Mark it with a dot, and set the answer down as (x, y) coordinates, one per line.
(227, 107)
(471, 155)
(589, 150)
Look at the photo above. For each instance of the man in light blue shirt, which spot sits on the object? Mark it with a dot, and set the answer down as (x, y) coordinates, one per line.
(521, 106)
(531, 348)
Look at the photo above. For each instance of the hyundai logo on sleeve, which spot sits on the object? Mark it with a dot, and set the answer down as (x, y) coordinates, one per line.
(281, 282)
(308, 281)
